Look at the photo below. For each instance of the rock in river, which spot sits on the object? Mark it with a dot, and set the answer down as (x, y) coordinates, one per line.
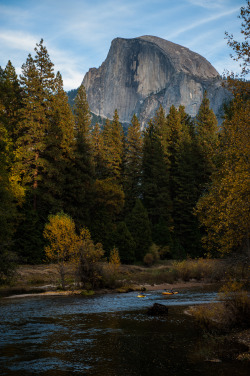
(157, 310)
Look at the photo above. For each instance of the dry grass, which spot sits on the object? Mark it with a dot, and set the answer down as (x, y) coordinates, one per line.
(232, 310)
(164, 272)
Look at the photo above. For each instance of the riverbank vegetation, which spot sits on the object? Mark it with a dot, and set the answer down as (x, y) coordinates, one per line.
(177, 190)
(120, 277)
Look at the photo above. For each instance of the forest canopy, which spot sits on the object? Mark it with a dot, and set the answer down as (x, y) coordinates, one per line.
(182, 184)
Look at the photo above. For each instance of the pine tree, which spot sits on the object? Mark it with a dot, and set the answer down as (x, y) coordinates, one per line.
(11, 100)
(82, 112)
(80, 175)
(59, 141)
(31, 132)
(97, 148)
(124, 241)
(186, 183)
(224, 210)
(155, 178)
(37, 84)
(139, 226)
(113, 137)
(10, 192)
(207, 136)
(107, 206)
(133, 163)
(160, 122)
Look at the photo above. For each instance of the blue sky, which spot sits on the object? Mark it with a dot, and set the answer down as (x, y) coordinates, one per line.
(78, 33)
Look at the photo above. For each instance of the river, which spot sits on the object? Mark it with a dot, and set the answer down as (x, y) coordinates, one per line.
(106, 335)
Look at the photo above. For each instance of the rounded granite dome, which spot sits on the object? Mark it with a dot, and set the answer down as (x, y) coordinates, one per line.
(182, 58)
(139, 74)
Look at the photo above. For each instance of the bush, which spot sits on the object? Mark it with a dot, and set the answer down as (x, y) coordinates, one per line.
(233, 309)
(212, 270)
(148, 259)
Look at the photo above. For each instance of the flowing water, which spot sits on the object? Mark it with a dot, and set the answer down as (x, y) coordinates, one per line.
(108, 335)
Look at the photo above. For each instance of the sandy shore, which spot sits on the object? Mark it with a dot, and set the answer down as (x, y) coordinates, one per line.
(176, 286)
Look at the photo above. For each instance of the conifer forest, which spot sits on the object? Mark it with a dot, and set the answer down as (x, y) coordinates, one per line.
(181, 185)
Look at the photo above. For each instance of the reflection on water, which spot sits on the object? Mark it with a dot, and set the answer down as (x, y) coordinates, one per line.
(107, 335)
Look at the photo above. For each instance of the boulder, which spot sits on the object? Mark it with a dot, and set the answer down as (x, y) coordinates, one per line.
(157, 310)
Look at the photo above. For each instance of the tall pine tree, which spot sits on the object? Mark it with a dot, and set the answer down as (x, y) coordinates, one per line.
(133, 164)
(155, 178)
(80, 176)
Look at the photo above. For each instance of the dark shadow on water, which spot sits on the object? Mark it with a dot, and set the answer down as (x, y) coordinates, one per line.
(109, 335)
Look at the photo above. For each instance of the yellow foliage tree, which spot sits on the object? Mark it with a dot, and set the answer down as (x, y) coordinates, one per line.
(114, 260)
(87, 255)
(225, 210)
(62, 238)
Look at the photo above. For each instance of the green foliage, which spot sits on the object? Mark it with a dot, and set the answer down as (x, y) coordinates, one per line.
(107, 205)
(139, 227)
(132, 164)
(148, 259)
(125, 243)
(79, 177)
(127, 191)
(113, 143)
(29, 242)
(152, 256)
(155, 178)
(207, 136)
(8, 263)
(224, 210)
(88, 255)
(242, 49)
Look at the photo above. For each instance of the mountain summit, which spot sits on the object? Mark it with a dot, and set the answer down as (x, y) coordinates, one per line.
(141, 73)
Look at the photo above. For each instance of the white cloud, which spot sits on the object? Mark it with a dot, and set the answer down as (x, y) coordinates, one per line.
(209, 4)
(17, 40)
(193, 25)
(78, 33)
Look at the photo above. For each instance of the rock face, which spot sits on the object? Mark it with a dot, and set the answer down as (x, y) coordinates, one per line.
(140, 74)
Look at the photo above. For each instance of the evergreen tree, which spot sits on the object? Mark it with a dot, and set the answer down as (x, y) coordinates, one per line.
(113, 137)
(107, 206)
(224, 210)
(37, 84)
(186, 175)
(10, 94)
(97, 148)
(59, 142)
(124, 242)
(31, 132)
(207, 135)
(82, 112)
(8, 210)
(10, 192)
(155, 178)
(80, 175)
(164, 129)
(139, 226)
(133, 163)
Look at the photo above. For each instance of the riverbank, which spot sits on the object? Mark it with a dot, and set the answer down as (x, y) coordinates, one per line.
(52, 290)
(45, 279)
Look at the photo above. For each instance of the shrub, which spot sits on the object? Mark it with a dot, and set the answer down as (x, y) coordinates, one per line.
(233, 309)
(148, 259)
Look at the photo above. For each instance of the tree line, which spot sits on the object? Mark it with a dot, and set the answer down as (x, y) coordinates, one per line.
(177, 182)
